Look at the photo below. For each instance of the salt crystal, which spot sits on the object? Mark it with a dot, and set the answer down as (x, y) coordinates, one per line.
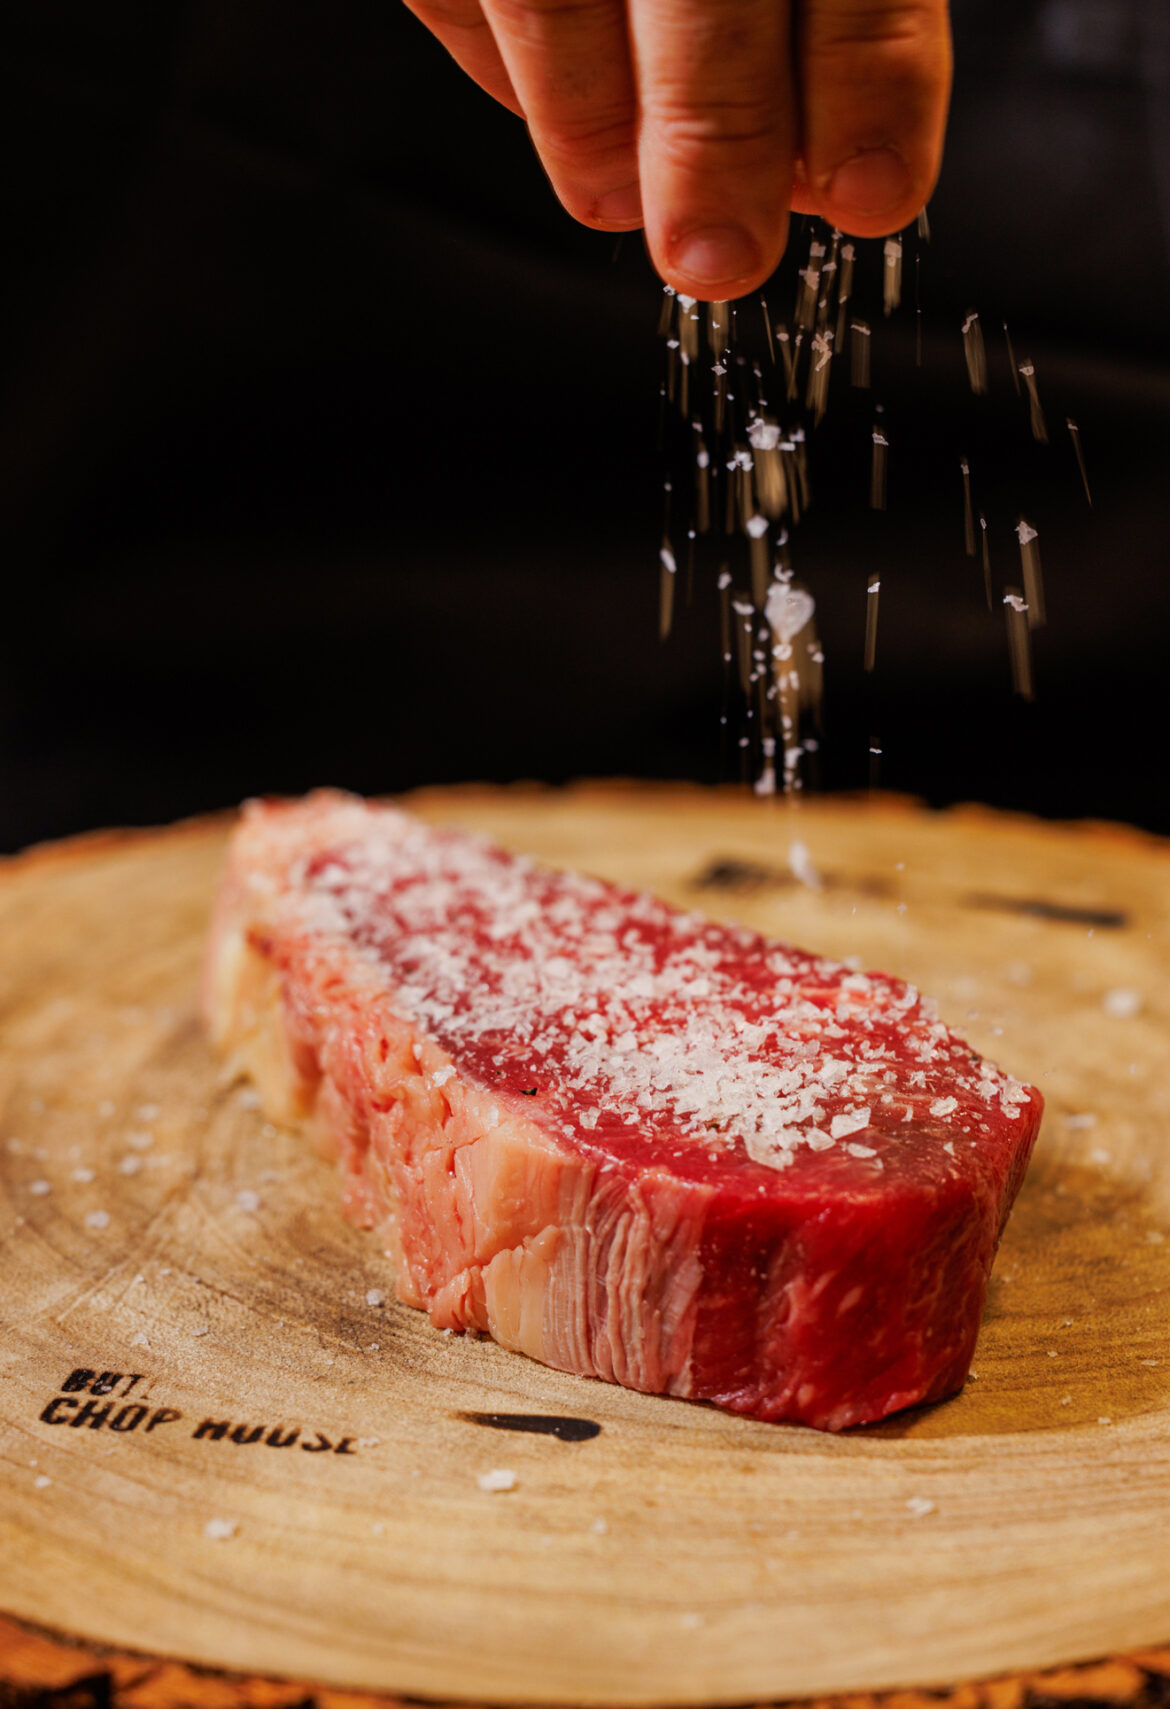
(41, 1482)
(920, 1506)
(800, 864)
(1088, 1119)
(849, 1121)
(221, 1530)
(690, 1621)
(141, 1139)
(38, 1189)
(496, 1481)
(138, 1339)
(98, 1219)
(248, 1200)
(82, 1176)
(129, 1165)
(1122, 1003)
(148, 1112)
(599, 1527)
(441, 1076)
(378, 1528)
(375, 1297)
(944, 1106)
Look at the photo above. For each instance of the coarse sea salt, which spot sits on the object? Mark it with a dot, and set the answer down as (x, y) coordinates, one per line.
(643, 1017)
(497, 1481)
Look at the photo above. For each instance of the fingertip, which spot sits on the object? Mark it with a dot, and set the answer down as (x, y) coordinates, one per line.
(718, 261)
(617, 210)
(871, 193)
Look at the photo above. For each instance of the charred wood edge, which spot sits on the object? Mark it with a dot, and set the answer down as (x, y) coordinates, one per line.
(746, 877)
(40, 1669)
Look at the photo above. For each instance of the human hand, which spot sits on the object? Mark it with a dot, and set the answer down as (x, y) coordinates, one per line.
(707, 121)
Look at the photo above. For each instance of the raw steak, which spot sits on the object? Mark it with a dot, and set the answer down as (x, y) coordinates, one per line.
(617, 1137)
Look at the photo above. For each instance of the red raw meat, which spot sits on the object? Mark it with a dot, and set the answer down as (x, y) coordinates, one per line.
(620, 1138)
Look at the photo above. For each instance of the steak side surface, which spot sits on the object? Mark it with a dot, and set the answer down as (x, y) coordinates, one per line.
(620, 1138)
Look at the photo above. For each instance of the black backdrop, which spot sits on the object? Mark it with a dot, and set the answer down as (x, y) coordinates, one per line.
(328, 443)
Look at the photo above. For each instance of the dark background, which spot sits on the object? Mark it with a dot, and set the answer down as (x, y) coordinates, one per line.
(328, 442)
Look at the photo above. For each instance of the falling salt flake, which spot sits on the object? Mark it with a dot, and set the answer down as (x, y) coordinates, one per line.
(690, 1621)
(39, 1189)
(129, 1165)
(496, 1481)
(138, 1339)
(82, 1176)
(800, 864)
(98, 1219)
(920, 1506)
(1066, 1400)
(221, 1530)
(788, 610)
(1149, 1363)
(944, 1106)
(1052, 1352)
(599, 1527)
(1084, 1120)
(1122, 1003)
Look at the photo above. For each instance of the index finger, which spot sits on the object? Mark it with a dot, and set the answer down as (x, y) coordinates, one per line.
(717, 134)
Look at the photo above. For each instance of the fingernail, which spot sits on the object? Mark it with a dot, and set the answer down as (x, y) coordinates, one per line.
(620, 207)
(869, 183)
(716, 255)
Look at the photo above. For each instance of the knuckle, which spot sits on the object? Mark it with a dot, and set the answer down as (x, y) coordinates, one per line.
(735, 130)
(588, 141)
(836, 24)
(535, 18)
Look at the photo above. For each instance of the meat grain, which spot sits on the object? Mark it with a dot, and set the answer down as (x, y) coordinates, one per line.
(620, 1138)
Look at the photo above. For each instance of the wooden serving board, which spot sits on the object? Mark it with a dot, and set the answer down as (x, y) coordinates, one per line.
(218, 1445)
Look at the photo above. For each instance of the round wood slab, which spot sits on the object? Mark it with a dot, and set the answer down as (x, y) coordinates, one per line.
(221, 1440)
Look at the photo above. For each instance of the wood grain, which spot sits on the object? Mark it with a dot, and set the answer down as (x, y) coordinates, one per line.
(156, 1226)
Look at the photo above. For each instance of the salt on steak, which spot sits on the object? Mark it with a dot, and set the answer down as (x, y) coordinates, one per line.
(617, 1137)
